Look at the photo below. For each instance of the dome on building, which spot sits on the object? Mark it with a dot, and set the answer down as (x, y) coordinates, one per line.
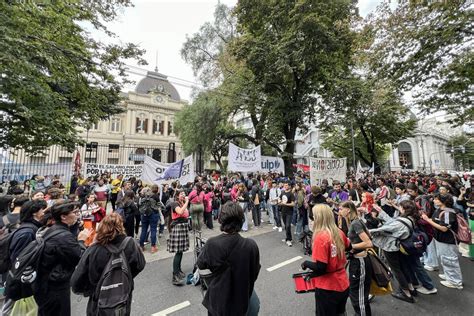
(158, 83)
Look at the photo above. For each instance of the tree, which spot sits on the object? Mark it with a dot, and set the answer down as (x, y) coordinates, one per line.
(56, 78)
(376, 113)
(293, 50)
(463, 154)
(203, 123)
(426, 48)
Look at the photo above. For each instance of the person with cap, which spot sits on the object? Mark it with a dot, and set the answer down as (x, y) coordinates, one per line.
(60, 256)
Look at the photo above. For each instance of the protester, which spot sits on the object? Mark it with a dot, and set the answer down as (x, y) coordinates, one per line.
(445, 224)
(328, 272)
(387, 238)
(242, 197)
(59, 258)
(110, 236)
(128, 210)
(360, 268)
(234, 262)
(31, 216)
(196, 200)
(150, 211)
(101, 192)
(12, 219)
(115, 188)
(178, 241)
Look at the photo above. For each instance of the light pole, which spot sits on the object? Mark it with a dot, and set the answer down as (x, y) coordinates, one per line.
(431, 162)
(353, 147)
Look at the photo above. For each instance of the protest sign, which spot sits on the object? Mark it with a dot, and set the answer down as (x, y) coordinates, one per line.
(128, 171)
(21, 172)
(159, 173)
(273, 164)
(245, 160)
(327, 168)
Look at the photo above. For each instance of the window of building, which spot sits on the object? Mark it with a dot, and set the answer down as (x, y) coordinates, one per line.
(114, 148)
(158, 126)
(94, 126)
(141, 124)
(115, 124)
(64, 159)
(113, 161)
(170, 128)
(90, 160)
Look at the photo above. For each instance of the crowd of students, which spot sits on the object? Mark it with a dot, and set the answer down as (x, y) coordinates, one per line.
(344, 219)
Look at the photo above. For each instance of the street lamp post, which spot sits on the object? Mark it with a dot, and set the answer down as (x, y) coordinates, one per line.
(431, 161)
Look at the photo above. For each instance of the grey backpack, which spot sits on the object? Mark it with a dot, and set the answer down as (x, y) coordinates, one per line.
(114, 290)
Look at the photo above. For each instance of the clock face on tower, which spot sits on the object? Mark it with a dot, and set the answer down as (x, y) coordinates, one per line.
(159, 99)
(161, 88)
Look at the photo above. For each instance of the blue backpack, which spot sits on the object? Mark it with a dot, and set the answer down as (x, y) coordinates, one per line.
(416, 243)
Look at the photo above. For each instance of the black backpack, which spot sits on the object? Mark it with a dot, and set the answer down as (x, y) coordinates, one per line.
(6, 232)
(22, 277)
(148, 206)
(416, 243)
(114, 289)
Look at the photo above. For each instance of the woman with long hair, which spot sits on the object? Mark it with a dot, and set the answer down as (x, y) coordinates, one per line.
(110, 233)
(128, 209)
(360, 269)
(445, 226)
(178, 241)
(242, 197)
(328, 272)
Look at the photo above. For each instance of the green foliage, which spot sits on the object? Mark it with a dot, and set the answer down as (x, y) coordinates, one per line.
(427, 48)
(204, 123)
(463, 161)
(55, 78)
(374, 109)
(294, 50)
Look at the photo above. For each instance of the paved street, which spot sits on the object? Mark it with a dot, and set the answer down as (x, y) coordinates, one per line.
(154, 291)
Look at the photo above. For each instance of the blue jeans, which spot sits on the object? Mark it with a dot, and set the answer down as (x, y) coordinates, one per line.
(301, 223)
(287, 217)
(245, 225)
(254, 305)
(276, 215)
(152, 222)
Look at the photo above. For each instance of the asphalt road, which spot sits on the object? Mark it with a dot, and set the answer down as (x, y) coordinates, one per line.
(154, 292)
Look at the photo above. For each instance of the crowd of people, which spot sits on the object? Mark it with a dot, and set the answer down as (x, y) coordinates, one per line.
(343, 219)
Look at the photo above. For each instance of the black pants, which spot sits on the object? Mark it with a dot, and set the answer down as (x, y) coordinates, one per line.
(113, 200)
(287, 218)
(129, 224)
(330, 303)
(208, 220)
(399, 270)
(54, 303)
(256, 214)
(138, 218)
(360, 276)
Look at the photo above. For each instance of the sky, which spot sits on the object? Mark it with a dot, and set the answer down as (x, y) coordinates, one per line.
(160, 27)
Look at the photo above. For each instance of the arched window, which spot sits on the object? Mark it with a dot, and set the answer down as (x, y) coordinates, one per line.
(156, 154)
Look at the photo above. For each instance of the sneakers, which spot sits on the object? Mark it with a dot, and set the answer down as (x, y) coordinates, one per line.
(275, 227)
(403, 297)
(451, 285)
(425, 291)
(289, 243)
(154, 249)
(430, 268)
(442, 276)
(280, 229)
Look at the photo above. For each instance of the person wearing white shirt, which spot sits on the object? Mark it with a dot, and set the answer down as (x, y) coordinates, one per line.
(273, 201)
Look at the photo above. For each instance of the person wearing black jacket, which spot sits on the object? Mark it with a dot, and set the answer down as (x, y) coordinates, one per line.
(91, 266)
(234, 264)
(130, 209)
(60, 256)
(31, 214)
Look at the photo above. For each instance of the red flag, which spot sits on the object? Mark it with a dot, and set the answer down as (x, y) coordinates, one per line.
(77, 163)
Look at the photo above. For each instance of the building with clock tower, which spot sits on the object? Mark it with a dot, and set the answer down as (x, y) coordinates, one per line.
(146, 127)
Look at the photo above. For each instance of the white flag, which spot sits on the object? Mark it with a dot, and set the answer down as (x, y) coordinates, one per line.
(245, 160)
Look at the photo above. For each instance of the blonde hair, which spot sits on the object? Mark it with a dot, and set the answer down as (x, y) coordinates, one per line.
(324, 222)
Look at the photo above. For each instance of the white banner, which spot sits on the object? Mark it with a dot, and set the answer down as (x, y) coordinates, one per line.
(128, 171)
(327, 168)
(159, 173)
(21, 172)
(273, 164)
(245, 160)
